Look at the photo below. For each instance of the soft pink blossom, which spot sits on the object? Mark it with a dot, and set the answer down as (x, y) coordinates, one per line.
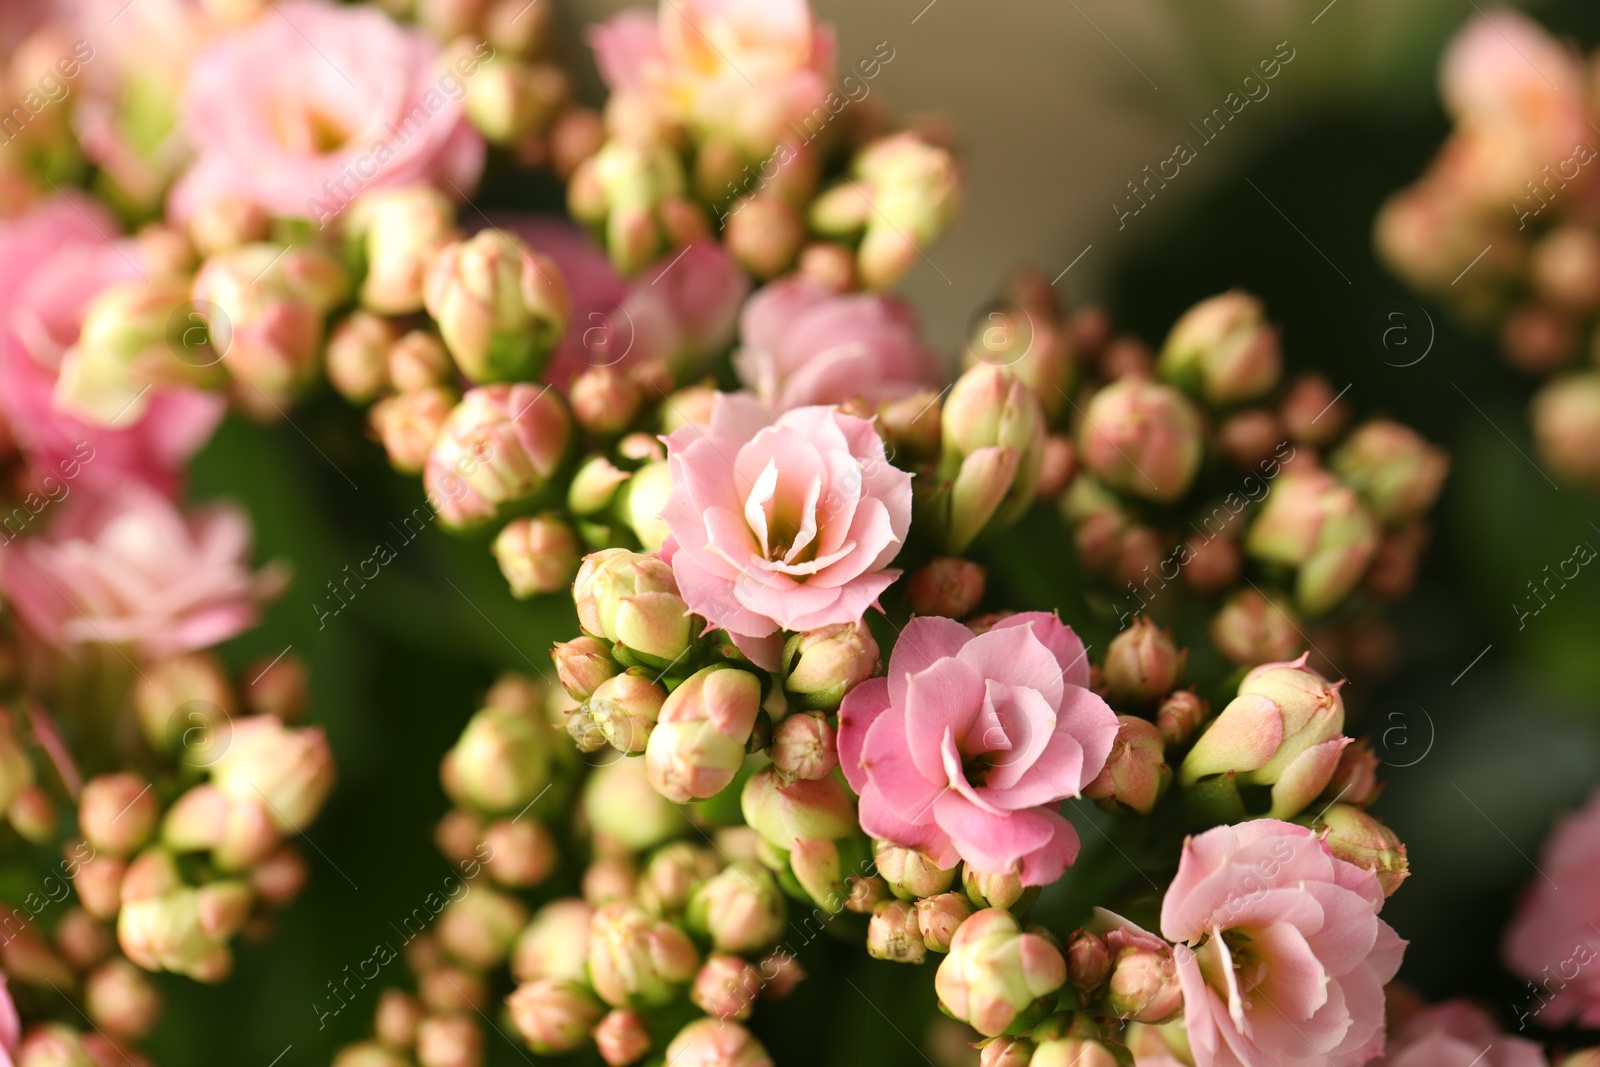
(1552, 941)
(801, 344)
(783, 523)
(1283, 958)
(315, 102)
(53, 261)
(969, 744)
(1458, 1034)
(131, 569)
(10, 1025)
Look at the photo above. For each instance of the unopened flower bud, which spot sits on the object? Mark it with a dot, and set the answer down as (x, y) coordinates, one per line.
(1142, 665)
(555, 944)
(671, 875)
(479, 928)
(536, 555)
(740, 908)
(993, 442)
(1222, 350)
(1006, 1052)
(288, 769)
(642, 499)
(498, 448)
(582, 664)
(938, 918)
(176, 694)
(228, 221)
(604, 400)
(279, 878)
(726, 987)
(82, 941)
(1142, 438)
(804, 745)
(912, 425)
(121, 999)
(622, 1037)
(1312, 413)
(764, 233)
(132, 338)
(1315, 523)
(1058, 463)
(522, 853)
(910, 874)
(1355, 779)
(821, 666)
(1180, 716)
(995, 974)
(786, 810)
(621, 802)
(408, 425)
(403, 229)
(449, 1041)
(53, 1045)
(1394, 469)
(445, 988)
(553, 1015)
(165, 933)
(1252, 437)
(32, 814)
(1254, 628)
(98, 883)
(165, 249)
(1072, 1052)
(1144, 984)
(633, 956)
(947, 586)
(1088, 961)
(907, 190)
(1003, 890)
(699, 740)
(117, 812)
(1212, 564)
(501, 761)
(1136, 773)
(358, 356)
(501, 308)
(417, 361)
(894, 934)
(626, 707)
(1566, 426)
(1356, 837)
(715, 1043)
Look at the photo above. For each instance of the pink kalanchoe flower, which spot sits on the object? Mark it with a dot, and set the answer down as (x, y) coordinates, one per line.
(782, 524)
(1283, 957)
(964, 750)
(802, 344)
(1458, 1034)
(10, 1025)
(131, 569)
(301, 111)
(54, 259)
(1552, 941)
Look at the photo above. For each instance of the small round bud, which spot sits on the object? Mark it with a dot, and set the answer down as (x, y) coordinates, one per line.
(501, 308)
(1180, 716)
(804, 745)
(417, 361)
(909, 873)
(893, 933)
(1142, 665)
(740, 908)
(1004, 890)
(358, 356)
(555, 944)
(1252, 437)
(522, 853)
(1088, 961)
(554, 1016)
(1312, 413)
(1136, 774)
(277, 687)
(625, 708)
(1253, 628)
(622, 1037)
(407, 425)
(714, 1043)
(449, 1041)
(699, 740)
(118, 812)
(1222, 350)
(1142, 438)
(395, 1023)
(1566, 427)
(537, 555)
(604, 400)
(821, 666)
(947, 586)
(996, 975)
(938, 918)
(1356, 837)
(726, 987)
(634, 958)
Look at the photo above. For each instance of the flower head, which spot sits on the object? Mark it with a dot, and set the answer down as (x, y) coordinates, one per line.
(1553, 931)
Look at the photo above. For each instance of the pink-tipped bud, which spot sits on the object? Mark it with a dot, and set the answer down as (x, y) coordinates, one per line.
(1212, 564)
(821, 666)
(786, 811)
(117, 812)
(625, 708)
(407, 425)
(916, 187)
(909, 873)
(582, 664)
(764, 233)
(82, 941)
(1072, 1052)
(624, 806)
(165, 933)
(642, 500)
(804, 745)
(938, 918)
(165, 250)
(1317, 524)
(1254, 628)
(277, 687)
(555, 944)
(993, 443)
(1355, 779)
(501, 761)
(1144, 983)
(1088, 961)
(947, 586)
(1136, 774)
(278, 879)
(98, 883)
(1223, 351)
(537, 555)
(713, 1043)
(418, 360)
(498, 448)
(672, 874)
(449, 1041)
(522, 853)
(53, 1045)
(622, 1038)
(1566, 427)
(1356, 837)
(1142, 665)
(1312, 413)
(1142, 438)
(480, 928)
(1003, 890)
(288, 769)
(634, 958)
(153, 873)
(1395, 470)
(996, 975)
(133, 337)
(501, 308)
(445, 988)
(554, 1016)
(1057, 466)
(1006, 1052)
(632, 599)
(740, 908)
(726, 987)
(1180, 716)
(228, 221)
(699, 740)
(893, 933)
(224, 908)
(605, 401)
(121, 999)
(404, 229)
(32, 814)
(358, 356)
(1251, 437)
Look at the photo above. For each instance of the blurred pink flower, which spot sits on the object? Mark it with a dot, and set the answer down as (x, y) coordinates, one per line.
(1283, 957)
(10, 1025)
(1458, 1034)
(53, 261)
(1552, 941)
(969, 743)
(131, 569)
(306, 107)
(782, 524)
(801, 344)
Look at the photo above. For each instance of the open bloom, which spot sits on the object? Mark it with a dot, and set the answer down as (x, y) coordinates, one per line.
(300, 111)
(1284, 958)
(782, 524)
(1457, 1034)
(1552, 941)
(805, 345)
(967, 746)
(132, 569)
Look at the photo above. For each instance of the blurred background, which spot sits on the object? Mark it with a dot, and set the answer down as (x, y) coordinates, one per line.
(1490, 725)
